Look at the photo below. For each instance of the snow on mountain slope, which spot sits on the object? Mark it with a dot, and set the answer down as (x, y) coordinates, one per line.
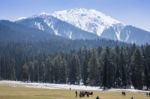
(56, 26)
(80, 23)
(87, 19)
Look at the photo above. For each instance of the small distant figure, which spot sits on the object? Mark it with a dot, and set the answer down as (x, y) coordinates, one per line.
(123, 93)
(76, 93)
(132, 97)
(70, 89)
(97, 97)
(87, 94)
(147, 94)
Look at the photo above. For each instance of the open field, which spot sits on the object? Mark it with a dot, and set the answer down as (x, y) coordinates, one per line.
(21, 92)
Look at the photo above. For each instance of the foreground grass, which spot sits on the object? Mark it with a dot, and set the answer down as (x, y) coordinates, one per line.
(20, 92)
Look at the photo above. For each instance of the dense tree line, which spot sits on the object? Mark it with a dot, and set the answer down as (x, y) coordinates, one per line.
(119, 66)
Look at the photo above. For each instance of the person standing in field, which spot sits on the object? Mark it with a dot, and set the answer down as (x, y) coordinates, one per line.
(76, 93)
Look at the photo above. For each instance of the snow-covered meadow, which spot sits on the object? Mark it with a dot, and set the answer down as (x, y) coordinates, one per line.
(62, 86)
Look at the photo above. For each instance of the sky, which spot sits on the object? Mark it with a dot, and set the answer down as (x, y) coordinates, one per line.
(132, 12)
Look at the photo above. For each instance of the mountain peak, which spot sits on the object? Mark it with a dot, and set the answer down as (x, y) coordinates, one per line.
(87, 19)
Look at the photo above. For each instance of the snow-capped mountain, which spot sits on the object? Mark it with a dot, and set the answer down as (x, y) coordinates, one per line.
(80, 23)
(87, 19)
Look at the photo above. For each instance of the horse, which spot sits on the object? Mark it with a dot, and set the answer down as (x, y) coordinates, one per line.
(82, 94)
(123, 93)
(85, 93)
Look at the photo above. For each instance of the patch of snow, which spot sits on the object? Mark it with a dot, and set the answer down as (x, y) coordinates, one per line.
(56, 32)
(118, 28)
(22, 18)
(70, 35)
(39, 26)
(48, 22)
(127, 36)
(118, 35)
(44, 13)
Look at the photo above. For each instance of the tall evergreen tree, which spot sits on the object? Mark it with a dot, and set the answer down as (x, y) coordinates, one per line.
(137, 69)
(93, 69)
(74, 70)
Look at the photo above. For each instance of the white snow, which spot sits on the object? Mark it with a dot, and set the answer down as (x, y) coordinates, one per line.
(70, 35)
(87, 19)
(48, 22)
(48, 85)
(22, 18)
(39, 25)
(118, 28)
(56, 32)
(127, 36)
(44, 14)
(62, 86)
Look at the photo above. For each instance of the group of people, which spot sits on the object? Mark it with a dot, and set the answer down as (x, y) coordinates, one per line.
(84, 93)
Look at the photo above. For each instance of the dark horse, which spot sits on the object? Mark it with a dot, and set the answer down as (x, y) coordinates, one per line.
(85, 93)
(123, 93)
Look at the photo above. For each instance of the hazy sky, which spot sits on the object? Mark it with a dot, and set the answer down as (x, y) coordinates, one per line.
(134, 12)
